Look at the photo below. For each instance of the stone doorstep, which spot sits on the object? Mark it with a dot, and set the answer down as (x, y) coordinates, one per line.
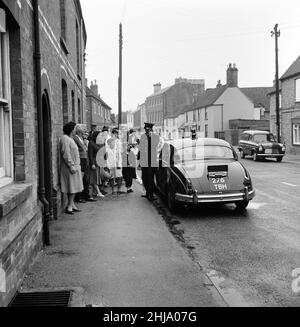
(77, 294)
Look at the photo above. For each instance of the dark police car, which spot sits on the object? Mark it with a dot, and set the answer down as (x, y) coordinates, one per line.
(259, 145)
(205, 170)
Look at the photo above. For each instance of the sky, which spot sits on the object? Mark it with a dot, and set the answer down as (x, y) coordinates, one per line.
(194, 39)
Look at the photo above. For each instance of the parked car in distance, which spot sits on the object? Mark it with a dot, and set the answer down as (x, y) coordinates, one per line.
(259, 145)
(205, 170)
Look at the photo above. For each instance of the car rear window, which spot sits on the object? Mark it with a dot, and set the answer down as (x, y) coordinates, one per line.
(203, 152)
(263, 138)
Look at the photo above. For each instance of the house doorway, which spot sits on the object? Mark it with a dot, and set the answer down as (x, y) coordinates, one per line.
(47, 151)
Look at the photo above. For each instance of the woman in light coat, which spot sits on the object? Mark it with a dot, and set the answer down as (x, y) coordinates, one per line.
(70, 169)
(114, 161)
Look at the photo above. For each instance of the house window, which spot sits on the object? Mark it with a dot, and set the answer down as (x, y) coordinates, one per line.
(186, 117)
(296, 134)
(78, 50)
(64, 94)
(194, 115)
(206, 130)
(206, 115)
(198, 114)
(63, 19)
(79, 112)
(73, 105)
(297, 89)
(6, 164)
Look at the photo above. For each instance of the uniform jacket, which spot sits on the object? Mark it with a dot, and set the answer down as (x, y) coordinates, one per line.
(148, 150)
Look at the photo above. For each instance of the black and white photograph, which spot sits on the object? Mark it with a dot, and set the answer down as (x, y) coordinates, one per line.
(149, 157)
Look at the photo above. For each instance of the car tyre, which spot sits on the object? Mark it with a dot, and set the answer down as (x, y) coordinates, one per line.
(242, 154)
(279, 159)
(172, 205)
(241, 205)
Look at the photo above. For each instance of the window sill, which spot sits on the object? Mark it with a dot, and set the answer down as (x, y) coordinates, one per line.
(5, 181)
(12, 195)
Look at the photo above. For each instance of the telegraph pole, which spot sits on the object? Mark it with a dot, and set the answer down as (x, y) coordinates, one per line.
(276, 33)
(120, 76)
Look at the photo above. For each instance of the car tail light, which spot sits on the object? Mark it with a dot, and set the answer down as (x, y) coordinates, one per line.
(247, 179)
(189, 186)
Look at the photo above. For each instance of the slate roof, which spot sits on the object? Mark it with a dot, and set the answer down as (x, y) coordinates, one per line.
(90, 93)
(160, 92)
(258, 95)
(209, 97)
(293, 70)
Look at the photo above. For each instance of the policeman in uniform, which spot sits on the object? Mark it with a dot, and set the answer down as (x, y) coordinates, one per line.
(149, 146)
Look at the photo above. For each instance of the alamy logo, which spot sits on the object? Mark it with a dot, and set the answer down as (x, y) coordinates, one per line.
(296, 281)
(2, 281)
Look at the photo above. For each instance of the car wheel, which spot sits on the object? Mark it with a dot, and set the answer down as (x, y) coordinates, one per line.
(241, 205)
(279, 159)
(172, 205)
(242, 154)
(255, 157)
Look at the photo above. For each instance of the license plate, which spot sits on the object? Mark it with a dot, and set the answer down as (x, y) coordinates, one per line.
(219, 184)
(268, 151)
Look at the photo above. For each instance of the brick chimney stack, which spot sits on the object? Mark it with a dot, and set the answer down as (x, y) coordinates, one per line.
(94, 88)
(232, 76)
(157, 87)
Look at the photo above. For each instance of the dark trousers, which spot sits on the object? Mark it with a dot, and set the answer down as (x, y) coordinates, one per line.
(128, 182)
(84, 169)
(148, 180)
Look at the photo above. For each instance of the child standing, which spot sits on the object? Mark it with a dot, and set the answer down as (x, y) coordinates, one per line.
(114, 161)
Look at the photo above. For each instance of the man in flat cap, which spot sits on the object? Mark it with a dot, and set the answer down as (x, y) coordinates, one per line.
(149, 146)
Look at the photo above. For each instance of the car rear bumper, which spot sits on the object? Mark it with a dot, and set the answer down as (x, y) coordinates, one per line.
(220, 198)
(264, 155)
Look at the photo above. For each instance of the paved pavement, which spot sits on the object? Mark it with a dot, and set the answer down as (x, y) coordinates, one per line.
(120, 252)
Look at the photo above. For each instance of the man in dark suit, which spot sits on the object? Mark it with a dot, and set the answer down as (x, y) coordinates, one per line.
(149, 146)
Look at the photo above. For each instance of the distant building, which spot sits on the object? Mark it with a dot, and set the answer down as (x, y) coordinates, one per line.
(170, 100)
(139, 118)
(98, 113)
(289, 106)
(215, 108)
(127, 120)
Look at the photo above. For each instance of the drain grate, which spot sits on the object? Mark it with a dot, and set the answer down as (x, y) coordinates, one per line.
(42, 299)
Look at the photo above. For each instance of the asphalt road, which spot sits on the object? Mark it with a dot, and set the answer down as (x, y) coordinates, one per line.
(250, 256)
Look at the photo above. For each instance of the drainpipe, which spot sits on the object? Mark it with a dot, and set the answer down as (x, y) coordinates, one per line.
(41, 187)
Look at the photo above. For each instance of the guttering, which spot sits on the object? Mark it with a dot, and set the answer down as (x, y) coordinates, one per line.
(41, 186)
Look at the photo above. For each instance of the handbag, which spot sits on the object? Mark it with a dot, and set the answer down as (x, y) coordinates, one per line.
(105, 173)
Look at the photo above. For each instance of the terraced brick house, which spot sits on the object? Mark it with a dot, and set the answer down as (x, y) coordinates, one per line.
(42, 86)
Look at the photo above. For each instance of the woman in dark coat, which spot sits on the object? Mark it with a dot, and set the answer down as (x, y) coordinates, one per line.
(93, 169)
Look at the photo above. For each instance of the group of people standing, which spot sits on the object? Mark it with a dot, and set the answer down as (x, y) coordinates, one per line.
(92, 161)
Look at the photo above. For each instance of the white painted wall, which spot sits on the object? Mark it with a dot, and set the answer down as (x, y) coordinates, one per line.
(236, 105)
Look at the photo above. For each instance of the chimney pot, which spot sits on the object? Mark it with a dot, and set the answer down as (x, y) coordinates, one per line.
(232, 76)
(157, 87)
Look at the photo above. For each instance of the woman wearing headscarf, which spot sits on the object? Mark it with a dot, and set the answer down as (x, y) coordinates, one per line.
(70, 169)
